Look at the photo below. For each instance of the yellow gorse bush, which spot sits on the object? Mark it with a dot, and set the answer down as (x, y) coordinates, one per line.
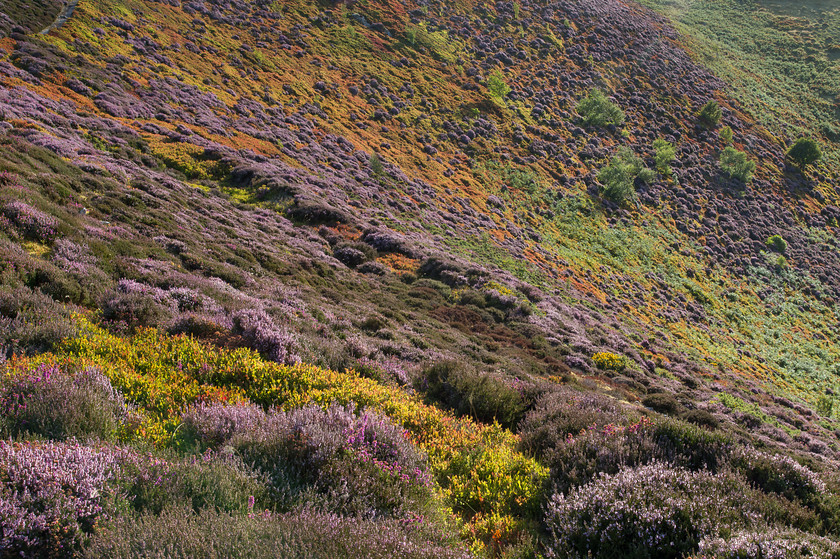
(609, 361)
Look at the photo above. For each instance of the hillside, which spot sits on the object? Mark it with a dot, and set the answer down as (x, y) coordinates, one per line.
(433, 278)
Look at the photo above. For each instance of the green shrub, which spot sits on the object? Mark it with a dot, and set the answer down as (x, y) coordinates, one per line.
(804, 152)
(376, 166)
(482, 397)
(664, 154)
(663, 403)
(597, 110)
(736, 164)
(709, 116)
(726, 135)
(777, 243)
(497, 86)
(619, 176)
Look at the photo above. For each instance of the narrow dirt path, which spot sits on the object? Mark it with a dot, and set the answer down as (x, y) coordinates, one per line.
(62, 17)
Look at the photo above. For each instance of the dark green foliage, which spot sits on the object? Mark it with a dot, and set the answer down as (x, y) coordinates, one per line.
(619, 176)
(726, 135)
(664, 154)
(709, 115)
(777, 243)
(701, 418)
(376, 166)
(736, 164)
(663, 403)
(778, 474)
(480, 396)
(596, 109)
(210, 481)
(804, 152)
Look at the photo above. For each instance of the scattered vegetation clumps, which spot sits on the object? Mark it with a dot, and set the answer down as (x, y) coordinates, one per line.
(736, 164)
(596, 109)
(619, 176)
(804, 152)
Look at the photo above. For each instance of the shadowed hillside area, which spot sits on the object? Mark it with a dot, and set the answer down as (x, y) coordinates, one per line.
(419, 279)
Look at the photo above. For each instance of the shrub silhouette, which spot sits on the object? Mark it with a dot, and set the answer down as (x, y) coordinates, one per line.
(709, 116)
(804, 152)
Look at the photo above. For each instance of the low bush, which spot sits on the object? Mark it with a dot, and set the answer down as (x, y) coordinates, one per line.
(482, 397)
(210, 480)
(564, 412)
(578, 459)
(596, 109)
(262, 334)
(51, 496)
(619, 176)
(804, 152)
(776, 473)
(356, 464)
(211, 534)
(663, 403)
(31, 322)
(650, 511)
(664, 154)
(710, 114)
(736, 164)
(49, 402)
(777, 243)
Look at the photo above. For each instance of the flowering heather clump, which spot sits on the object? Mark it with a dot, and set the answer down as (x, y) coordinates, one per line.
(360, 463)
(771, 543)
(778, 474)
(31, 321)
(302, 533)
(260, 332)
(563, 412)
(49, 401)
(650, 511)
(213, 425)
(51, 495)
(31, 222)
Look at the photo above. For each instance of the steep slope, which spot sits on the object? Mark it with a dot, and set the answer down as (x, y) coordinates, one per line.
(415, 191)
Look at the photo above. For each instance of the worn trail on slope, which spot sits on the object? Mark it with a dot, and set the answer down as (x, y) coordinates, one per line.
(62, 17)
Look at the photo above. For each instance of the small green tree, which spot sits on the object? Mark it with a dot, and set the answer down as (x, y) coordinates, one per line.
(497, 86)
(736, 164)
(664, 154)
(726, 135)
(804, 152)
(376, 166)
(777, 243)
(619, 176)
(709, 116)
(597, 110)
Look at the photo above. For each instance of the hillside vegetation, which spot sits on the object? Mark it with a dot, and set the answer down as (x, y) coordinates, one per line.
(419, 279)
